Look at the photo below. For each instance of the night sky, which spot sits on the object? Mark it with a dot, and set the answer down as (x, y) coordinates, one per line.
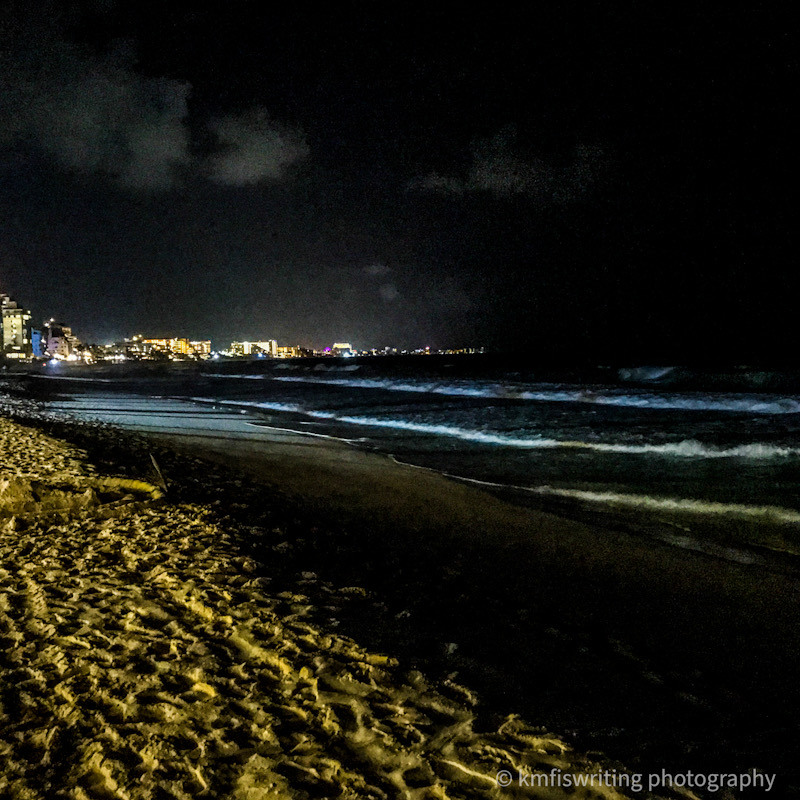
(601, 181)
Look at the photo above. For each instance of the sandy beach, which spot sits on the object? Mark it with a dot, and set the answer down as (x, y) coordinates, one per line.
(144, 656)
(299, 620)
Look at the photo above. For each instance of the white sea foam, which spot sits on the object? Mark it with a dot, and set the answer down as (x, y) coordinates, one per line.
(687, 448)
(540, 393)
(741, 403)
(645, 374)
(758, 514)
(690, 448)
(466, 389)
(775, 514)
(289, 407)
(483, 437)
(74, 378)
(237, 377)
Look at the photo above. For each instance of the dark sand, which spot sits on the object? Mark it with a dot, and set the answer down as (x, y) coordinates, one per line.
(643, 650)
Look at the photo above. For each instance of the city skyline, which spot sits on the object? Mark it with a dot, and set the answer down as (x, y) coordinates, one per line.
(21, 340)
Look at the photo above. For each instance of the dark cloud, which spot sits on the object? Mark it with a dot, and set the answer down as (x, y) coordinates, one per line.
(253, 148)
(500, 168)
(389, 292)
(377, 269)
(99, 115)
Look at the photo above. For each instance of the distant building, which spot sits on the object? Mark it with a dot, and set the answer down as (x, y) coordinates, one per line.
(58, 340)
(174, 346)
(15, 332)
(342, 349)
(37, 343)
(202, 349)
(132, 348)
(267, 347)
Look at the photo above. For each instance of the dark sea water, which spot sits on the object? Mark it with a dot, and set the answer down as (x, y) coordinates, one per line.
(706, 460)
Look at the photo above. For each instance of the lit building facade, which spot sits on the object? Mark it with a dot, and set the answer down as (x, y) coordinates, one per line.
(58, 341)
(37, 343)
(177, 346)
(290, 352)
(15, 332)
(202, 349)
(267, 347)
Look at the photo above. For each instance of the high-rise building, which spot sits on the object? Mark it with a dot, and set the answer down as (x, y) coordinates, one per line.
(58, 340)
(37, 343)
(266, 347)
(15, 331)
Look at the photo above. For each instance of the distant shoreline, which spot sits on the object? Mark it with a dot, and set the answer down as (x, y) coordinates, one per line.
(767, 378)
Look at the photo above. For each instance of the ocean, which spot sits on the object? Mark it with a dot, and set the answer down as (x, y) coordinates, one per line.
(701, 459)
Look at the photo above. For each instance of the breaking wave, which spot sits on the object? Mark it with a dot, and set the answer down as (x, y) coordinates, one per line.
(288, 407)
(774, 514)
(646, 374)
(237, 376)
(73, 378)
(741, 552)
(742, 403)
(688, 448)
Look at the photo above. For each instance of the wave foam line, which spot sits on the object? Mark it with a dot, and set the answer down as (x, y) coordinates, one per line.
(673, 504)
(237, 377)
(71, 378)
(762, 514)
(687, 448)
(304, 433)
(751, 404)
(290, 407)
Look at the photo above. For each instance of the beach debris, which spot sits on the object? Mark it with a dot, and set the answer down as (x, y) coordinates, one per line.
(449, 648)
(161, 482)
